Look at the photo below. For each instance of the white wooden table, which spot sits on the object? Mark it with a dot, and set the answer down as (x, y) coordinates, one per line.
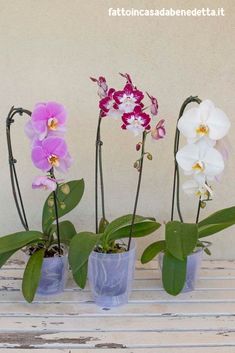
(202, 321)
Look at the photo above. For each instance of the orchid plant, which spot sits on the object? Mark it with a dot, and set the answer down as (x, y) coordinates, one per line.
(203, 160)
(128, 108)
(49, 153)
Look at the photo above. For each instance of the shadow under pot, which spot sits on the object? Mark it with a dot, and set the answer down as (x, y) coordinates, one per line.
(111, 276)
(194, 261)
(54, 274)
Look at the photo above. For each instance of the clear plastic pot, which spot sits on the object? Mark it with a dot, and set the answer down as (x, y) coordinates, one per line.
(111, 276)
(193, 266)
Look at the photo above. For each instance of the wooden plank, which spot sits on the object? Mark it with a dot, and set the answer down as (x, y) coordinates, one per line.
(135, 309)
(114, 323)
(116, 340)
(201, 349)
(76, 296)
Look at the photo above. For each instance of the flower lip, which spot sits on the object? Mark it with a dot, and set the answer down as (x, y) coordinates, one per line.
(54, 160)
(52, 124)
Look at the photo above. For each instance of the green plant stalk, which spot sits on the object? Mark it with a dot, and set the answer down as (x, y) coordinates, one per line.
(138, 187)
(99, 170)
(56, 213)
(176, 180)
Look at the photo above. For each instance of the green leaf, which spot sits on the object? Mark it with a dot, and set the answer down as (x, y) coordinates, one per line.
(216, 222)
(120, 227)
(181, 238)
(80, 248)
(18, 240)
(139, 229)
(152, 250)
(173, 274)
(32, 275)
(103, 224)
(68, 197)
(67, 231)
(4, 257)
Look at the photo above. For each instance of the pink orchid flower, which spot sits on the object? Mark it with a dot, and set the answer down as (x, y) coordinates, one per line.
(44, 183)
(50, 153)
(136, 121)
(47, 119)
(128, 98)
(102, 86)
(159, 131)
(108, 106)
(154, 104)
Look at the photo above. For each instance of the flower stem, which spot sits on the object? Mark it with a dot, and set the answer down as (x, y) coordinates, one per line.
(138, 188)
(56, 213)
(99, 170)
(176, 180)
(12, 161)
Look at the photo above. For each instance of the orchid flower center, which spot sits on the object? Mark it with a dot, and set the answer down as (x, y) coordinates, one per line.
(128, 98)
(198, 166)
(135, 122)
(53, 160)
(52, 124)
(202, 130)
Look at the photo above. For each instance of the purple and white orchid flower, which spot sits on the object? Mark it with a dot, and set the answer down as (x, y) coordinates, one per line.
(50, 153)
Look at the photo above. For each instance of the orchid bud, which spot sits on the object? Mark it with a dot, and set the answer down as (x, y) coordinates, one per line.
(149, 156)
(158, 132)
(138, 146)
(202, 204)
(136, 164)
(154, 104)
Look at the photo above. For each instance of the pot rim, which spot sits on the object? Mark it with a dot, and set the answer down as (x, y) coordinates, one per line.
(121, 254)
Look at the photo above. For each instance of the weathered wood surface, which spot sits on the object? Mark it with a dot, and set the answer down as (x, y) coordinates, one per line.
(199, 322)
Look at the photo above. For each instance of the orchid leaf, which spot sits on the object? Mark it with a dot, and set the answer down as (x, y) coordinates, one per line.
(181, 238)
(67, 231)
(152, 250)
(103, 224)
(173, 274)
(18, 240)
(4, 257)
(68, 196)
(120, 227)
(32, 275)
(80, 248)
(216, 222)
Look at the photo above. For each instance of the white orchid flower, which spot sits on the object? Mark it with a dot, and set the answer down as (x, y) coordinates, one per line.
(192, 187)
(204, 121)
(200, 160)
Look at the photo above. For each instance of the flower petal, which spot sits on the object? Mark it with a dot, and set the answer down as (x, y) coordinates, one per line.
(189, 122)
(218, 123)
(55, 145)
(214, 163)
(39, 159)
(187, 156)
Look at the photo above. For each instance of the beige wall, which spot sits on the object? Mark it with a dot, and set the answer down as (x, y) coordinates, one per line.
(49, 48)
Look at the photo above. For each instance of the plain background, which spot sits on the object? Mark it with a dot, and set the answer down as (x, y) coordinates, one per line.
(49, 48)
